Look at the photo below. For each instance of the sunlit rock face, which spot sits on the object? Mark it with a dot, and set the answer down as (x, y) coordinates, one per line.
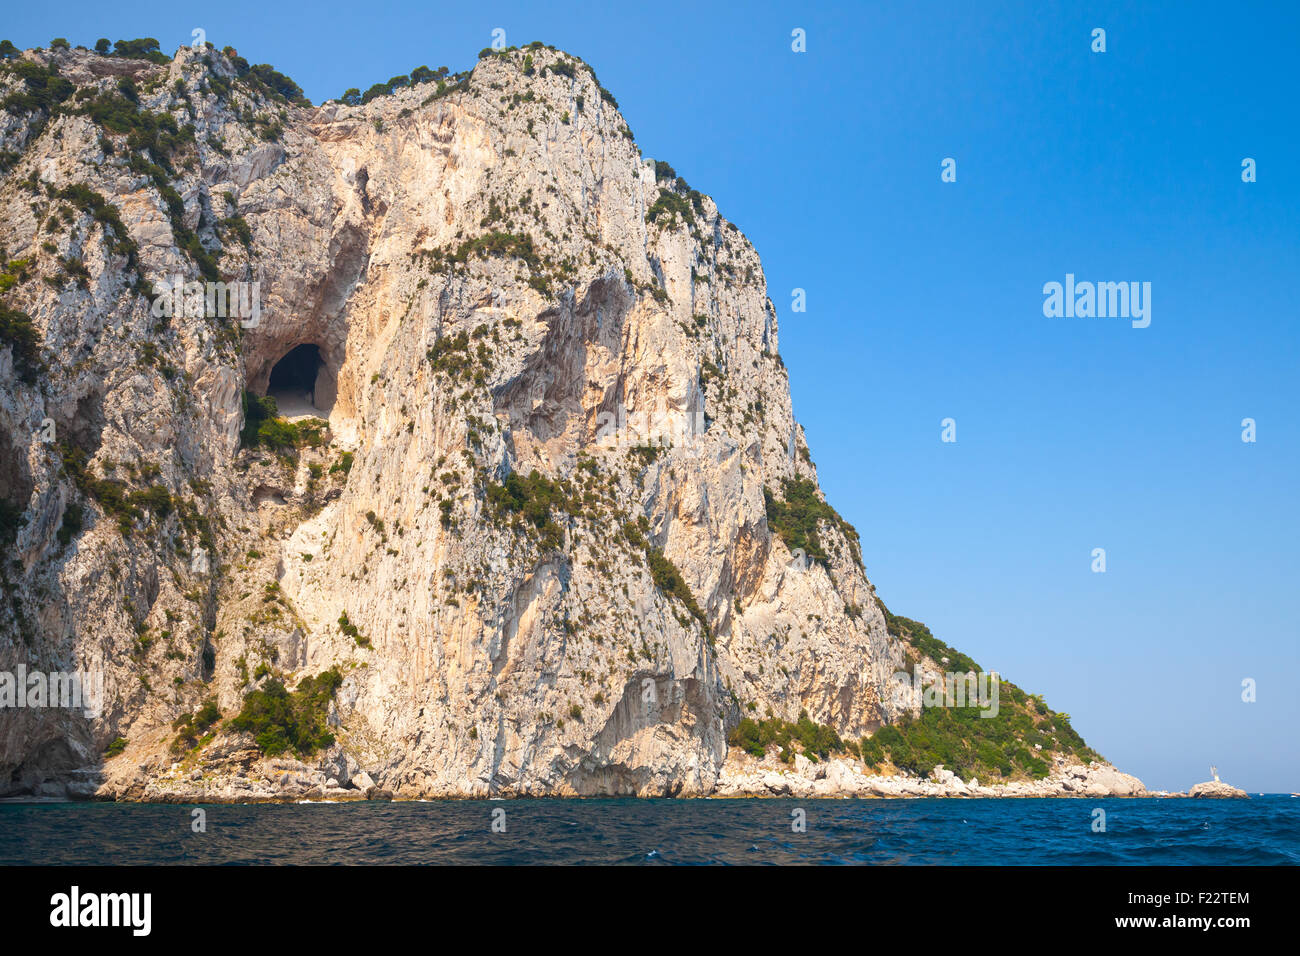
(464, 286)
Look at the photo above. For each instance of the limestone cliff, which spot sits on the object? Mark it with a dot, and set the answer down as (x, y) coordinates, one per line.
(532, 421)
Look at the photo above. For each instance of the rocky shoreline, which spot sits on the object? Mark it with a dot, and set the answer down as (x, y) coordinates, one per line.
(744, 776)
(243, 777)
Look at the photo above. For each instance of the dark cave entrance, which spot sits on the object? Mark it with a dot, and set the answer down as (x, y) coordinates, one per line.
(301, 382)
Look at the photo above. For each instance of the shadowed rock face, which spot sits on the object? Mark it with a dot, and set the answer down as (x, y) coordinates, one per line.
(494, 281)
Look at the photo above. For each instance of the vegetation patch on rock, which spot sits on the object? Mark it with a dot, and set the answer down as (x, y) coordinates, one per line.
(816, 741)
(797, 517)
(971, 744)
(282, 721)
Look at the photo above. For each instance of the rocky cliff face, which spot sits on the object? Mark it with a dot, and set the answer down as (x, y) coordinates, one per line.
(490, 282)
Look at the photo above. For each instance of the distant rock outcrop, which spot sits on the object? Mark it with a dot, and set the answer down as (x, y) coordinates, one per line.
(1217, 789)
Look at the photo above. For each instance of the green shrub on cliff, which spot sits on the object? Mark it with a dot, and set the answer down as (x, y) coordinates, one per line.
(18, 333)
(797, 517)
(42, 90)
(530, 499)
(669, 580)
(919, 636)
(670, 206)
(281, 721)
(1015, 742)
(265, 428)
(816, 741)
(144, 48)
(191, 727)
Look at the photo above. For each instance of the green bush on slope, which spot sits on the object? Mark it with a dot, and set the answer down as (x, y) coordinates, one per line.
(815, 740)
(281, 721)
(797, 517)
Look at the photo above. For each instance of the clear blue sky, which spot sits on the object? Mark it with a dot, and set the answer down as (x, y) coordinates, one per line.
(925, 302)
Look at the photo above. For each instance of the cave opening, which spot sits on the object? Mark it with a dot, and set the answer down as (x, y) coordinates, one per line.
(301, 382)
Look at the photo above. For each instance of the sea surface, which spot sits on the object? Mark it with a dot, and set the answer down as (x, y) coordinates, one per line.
(1002, 832)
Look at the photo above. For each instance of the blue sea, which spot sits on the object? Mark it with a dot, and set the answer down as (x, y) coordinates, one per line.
(1146, 832)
